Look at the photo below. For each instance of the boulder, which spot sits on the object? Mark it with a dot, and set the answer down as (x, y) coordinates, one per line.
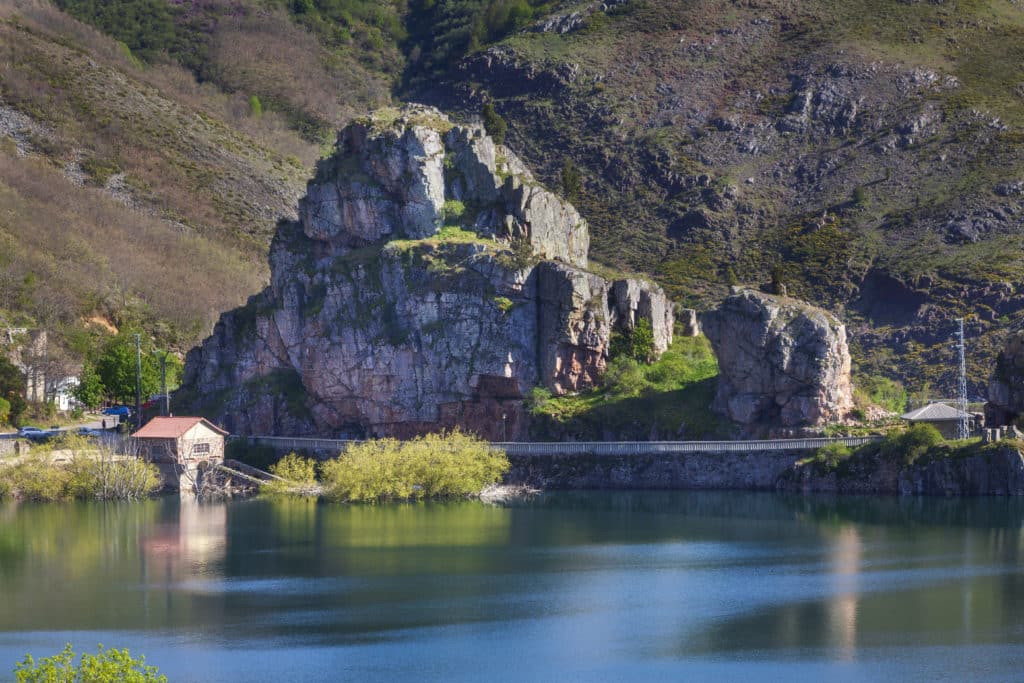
(782, 362)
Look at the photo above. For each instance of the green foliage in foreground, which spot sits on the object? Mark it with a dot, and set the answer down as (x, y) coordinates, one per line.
(447, 465)
(667, 399)
(106, 666)
(92, 474)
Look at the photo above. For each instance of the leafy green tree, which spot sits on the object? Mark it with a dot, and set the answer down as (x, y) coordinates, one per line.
(12, 390)
(89, 391)
(107, 666)
(643, 341)
(116, 368)
(637, 344)
(5, 410)
(494, 124)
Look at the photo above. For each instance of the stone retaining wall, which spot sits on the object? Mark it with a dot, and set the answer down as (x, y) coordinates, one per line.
(749, 471)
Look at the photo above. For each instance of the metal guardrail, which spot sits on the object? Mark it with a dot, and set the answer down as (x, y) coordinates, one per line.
(608, 448)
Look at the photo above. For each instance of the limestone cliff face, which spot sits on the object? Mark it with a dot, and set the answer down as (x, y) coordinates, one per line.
(429, 282)
(1006, 385)
(782, 362)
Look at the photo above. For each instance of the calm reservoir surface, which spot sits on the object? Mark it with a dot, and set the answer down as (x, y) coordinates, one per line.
(569, 586)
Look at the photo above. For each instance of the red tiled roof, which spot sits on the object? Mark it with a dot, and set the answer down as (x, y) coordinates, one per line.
(173, 427)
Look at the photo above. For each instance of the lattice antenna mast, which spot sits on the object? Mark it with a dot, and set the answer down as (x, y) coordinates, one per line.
(962, 427)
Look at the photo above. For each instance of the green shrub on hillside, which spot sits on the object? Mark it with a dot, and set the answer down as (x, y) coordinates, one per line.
(907, 446)
(911, 444)
(832, 455)
(494, 124)
(433, 466)
(880, 391)
(106, 666)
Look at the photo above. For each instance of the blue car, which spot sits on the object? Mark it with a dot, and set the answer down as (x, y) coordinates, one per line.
(120, 411)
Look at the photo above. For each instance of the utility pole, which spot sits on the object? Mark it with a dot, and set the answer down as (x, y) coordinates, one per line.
(138, 380)
(163, 384)
(963, 430)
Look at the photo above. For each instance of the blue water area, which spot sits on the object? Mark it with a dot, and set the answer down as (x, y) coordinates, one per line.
(583, 586)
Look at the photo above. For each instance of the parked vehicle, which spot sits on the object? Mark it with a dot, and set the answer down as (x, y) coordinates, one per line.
(120, 411)
(34, 433)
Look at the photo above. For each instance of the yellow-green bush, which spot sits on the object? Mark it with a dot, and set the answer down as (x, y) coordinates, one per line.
(107, 666)
(433, 466)
(94, 473)
(35, 478)
(299, 473)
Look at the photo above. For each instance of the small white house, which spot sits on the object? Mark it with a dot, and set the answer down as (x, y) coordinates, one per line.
(63, 394)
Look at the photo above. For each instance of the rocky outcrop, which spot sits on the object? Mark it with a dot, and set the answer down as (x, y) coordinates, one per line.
(430, 282)
(689, 322)
(997, 471)
(637, 300)
(782, 362)
(1006, 384)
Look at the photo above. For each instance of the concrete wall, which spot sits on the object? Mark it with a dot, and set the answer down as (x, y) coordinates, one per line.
(748, 471)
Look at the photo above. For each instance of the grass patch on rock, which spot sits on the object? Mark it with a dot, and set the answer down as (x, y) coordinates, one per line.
(667, 399)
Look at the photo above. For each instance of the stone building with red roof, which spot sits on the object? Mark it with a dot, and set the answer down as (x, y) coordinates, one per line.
(186, 440)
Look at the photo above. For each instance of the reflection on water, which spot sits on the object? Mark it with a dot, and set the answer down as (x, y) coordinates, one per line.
(845, 563)
(574, 585)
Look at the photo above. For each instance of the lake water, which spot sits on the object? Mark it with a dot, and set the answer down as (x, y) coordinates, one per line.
(570, 586)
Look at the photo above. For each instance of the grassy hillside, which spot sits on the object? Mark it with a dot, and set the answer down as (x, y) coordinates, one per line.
(866, 154)
(128, 193)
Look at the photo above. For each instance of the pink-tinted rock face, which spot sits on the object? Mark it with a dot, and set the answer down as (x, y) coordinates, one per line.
(782, 362)
(373, 324)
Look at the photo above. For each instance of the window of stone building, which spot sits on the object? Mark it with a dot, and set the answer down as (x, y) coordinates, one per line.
(201, 449)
